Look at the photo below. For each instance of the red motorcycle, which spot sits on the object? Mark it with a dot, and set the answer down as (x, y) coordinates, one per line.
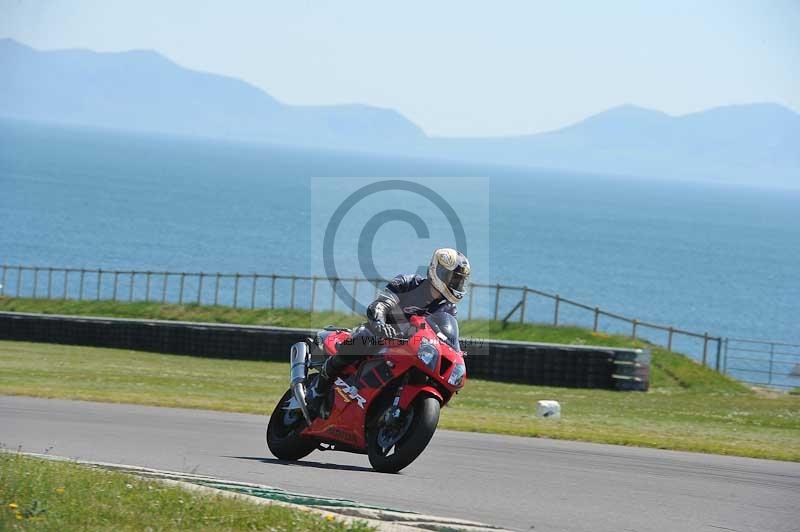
(386, 407)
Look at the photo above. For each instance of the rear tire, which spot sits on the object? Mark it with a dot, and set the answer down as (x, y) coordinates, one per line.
(425, 418)
(283, 439)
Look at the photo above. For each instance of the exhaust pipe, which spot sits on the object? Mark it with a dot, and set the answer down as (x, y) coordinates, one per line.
(298, 358)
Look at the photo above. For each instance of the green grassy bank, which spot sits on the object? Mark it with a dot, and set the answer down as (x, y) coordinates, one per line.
(38, 494)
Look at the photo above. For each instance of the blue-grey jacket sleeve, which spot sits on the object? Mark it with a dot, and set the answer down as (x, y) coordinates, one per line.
(387, 302)
(403, 283)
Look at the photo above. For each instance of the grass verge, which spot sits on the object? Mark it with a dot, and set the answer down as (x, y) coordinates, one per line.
(38, 494)
(697, 411)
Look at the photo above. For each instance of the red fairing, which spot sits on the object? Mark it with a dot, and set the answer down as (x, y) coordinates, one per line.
(410, 392)
(360, 387)
(332, 341)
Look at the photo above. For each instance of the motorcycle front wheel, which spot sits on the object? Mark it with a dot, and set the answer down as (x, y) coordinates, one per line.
(392, 447)
(283, 438)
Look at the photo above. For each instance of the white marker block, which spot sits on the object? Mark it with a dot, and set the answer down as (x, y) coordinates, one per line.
(548, 409)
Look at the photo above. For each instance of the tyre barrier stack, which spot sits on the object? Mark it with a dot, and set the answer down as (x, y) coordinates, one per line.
(575, 366)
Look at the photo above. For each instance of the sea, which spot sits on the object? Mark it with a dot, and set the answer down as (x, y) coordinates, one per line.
(702, 256)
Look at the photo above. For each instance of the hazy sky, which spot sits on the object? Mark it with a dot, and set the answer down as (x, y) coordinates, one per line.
(456, 67)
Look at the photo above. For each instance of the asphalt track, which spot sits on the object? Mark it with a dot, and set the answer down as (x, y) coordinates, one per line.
(519, 483)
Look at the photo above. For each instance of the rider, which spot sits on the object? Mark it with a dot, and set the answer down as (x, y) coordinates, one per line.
(404, 296)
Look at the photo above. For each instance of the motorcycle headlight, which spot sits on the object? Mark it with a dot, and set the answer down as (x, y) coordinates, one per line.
(428, 353)
(457, 375)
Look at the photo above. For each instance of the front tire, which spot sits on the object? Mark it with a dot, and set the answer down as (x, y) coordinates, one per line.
(424, 417)
(283, 438)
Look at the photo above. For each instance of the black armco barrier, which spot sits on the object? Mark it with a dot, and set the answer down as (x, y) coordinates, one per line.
(505, 361)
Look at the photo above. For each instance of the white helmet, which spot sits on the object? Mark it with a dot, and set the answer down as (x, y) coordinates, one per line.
(449, 272)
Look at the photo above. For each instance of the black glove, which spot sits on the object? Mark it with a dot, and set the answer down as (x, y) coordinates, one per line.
(381, 329)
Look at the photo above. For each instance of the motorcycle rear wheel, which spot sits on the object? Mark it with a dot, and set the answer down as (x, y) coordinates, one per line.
(283, 439)
(424, 414)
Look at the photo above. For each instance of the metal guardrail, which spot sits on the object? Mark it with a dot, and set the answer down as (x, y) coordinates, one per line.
(710, 343)
(308, 292)
(238, 290)
(762, 362)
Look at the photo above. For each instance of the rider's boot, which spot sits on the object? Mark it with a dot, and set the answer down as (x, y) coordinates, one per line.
(318, 396)
(319, 402)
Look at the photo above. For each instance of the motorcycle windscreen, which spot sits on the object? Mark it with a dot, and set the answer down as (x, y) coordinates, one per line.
(448, 326)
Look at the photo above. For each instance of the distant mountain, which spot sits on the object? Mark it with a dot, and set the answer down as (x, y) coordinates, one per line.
(144, 91)
(753, 143)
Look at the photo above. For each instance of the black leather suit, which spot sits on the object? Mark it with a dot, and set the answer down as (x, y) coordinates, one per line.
(403, 296)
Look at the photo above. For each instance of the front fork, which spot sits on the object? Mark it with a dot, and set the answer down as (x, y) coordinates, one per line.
(393, 413)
